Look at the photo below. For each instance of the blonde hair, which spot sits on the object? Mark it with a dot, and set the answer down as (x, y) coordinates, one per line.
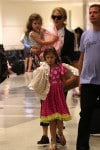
(62, 11)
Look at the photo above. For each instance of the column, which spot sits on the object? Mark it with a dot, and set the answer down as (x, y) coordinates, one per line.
(85, 14)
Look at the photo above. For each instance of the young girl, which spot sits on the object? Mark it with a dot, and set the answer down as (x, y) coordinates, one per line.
(54, 109)
(34, 26)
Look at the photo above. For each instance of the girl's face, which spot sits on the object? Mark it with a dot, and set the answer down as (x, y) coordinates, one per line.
(36, 25)
(50, 59)
(58, 19)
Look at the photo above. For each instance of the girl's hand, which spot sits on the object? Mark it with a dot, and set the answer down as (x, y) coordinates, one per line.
(71, 83)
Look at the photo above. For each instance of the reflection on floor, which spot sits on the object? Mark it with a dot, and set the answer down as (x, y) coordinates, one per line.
(19, 117)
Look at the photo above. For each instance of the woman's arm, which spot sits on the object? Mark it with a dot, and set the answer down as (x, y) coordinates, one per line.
(80, 62)
(43, 42)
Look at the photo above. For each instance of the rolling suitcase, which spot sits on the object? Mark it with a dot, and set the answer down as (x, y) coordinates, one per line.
(18, 67)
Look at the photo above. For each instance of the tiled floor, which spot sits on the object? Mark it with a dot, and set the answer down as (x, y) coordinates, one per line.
(19, 117)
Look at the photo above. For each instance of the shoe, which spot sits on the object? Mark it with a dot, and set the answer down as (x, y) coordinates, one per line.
(44, 140)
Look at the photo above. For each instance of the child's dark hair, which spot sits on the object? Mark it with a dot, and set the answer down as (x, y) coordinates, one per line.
(53, 51)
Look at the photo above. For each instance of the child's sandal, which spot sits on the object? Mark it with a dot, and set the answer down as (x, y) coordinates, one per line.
(62, 140)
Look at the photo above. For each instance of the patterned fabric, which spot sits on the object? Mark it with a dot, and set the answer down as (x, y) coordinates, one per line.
(71, 69)
(49, 34)
(40, 82)
(55, 107)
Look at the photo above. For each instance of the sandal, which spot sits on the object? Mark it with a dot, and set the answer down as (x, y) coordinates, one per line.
(62, 140)
(53, 147)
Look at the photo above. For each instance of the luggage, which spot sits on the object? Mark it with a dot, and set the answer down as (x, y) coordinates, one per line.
(3, 65)
(18, 67)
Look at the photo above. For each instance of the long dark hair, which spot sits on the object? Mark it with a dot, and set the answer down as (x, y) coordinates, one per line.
(53, 51)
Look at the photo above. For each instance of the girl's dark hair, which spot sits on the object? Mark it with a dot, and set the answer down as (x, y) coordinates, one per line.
(53, 51)
(31, 18)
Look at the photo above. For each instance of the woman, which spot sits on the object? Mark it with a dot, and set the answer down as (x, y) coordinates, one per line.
(65, 49)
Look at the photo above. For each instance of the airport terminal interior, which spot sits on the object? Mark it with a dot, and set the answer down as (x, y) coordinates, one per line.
(19, 106)
(20, 117)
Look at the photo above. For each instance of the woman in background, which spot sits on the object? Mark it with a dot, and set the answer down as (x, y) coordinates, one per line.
(65, 49)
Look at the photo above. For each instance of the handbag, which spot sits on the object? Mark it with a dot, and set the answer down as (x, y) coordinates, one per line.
(73, 75)
(40, 82)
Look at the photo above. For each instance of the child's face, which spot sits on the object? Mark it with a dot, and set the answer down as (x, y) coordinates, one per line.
(36, 25)
(50, 59)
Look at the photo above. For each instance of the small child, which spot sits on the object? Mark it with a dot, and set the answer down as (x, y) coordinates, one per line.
(37, 41)
(54, 109)
(49, 83)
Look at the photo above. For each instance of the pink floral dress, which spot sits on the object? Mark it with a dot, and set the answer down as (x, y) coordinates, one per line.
(55, 107)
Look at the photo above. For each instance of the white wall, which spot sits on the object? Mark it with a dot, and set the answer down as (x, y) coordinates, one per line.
(15, 15)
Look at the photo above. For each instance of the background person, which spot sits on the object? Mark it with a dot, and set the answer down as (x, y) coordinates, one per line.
(37, 42)
(78, 33)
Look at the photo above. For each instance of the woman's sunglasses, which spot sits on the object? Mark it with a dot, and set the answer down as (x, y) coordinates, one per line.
(56, 17)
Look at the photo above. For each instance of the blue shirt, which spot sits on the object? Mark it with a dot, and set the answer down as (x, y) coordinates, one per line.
(90, 46)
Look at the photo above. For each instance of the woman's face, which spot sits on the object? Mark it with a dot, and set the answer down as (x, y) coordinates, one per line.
(58, 19)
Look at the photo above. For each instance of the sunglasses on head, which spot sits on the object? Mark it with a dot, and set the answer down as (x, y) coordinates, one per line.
(56, 17)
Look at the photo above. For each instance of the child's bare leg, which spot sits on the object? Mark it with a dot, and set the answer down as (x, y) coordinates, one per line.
(53, 134)
(53, 131)
(30, 64)
(26, 64)
(60, 132)
(45, 130)
(60, 127)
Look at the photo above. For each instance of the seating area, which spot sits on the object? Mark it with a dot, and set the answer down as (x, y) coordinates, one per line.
(15, 59)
